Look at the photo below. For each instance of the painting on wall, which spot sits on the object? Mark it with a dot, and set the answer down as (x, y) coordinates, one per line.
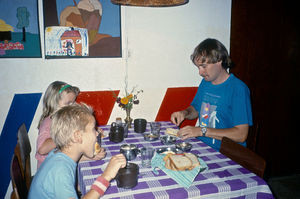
(66, 41)
(19, 29)
(82, 28)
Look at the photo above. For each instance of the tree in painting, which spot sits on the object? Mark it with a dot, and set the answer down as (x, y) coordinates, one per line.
(23, 20)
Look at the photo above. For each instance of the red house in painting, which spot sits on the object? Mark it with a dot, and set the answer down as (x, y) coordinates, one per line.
(71, 43)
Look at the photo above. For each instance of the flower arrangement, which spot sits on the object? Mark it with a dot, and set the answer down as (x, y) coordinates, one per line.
(129, 100)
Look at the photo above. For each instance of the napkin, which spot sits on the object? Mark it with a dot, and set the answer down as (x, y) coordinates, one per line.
(184, 178)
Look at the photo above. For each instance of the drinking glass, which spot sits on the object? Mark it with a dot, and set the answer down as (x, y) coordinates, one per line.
(147, 154)
(155, 128)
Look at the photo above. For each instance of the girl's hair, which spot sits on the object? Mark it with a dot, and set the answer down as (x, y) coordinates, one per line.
(212, 51)
(67, 120)
(53, 95)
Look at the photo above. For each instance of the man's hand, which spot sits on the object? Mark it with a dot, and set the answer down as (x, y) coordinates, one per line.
(189, 132)
(177, 117)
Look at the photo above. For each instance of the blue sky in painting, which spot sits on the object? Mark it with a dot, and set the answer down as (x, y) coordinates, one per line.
(110, 23)
(8, 13)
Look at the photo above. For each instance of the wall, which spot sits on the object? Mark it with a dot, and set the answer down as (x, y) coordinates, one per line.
(157, 43)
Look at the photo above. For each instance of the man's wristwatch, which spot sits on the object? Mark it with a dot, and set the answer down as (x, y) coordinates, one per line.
(204, 130)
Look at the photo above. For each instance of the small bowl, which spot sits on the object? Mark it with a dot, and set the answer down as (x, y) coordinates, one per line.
(148, 136)
(166, 150)
(184, 146)
(166, 139)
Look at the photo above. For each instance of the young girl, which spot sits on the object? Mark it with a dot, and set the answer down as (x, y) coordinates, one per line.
(58, 95)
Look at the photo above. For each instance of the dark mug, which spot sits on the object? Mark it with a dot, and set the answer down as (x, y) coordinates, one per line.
(116, 133)
(127, 177)
(140, 125)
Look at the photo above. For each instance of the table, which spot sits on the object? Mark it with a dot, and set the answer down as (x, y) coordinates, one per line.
(223, 179)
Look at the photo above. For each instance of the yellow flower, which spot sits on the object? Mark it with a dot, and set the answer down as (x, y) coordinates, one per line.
(124, 100)
(129, 97)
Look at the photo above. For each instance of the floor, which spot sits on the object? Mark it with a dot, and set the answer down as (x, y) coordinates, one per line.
(285, 187)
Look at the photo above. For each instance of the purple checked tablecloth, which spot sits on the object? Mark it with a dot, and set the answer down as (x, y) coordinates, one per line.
(223, 178)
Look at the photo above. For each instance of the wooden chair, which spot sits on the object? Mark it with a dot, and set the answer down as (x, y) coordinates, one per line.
(243, 156)
(22, 151)
(20, 190)
(252, 139)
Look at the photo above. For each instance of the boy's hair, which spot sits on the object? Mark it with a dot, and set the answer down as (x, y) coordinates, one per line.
(212, 51)
(67, 120)
(52, 97)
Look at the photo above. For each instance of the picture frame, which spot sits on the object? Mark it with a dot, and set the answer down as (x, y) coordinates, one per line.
(82, 29)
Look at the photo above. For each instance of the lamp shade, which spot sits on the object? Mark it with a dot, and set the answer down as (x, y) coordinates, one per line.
(150, 3)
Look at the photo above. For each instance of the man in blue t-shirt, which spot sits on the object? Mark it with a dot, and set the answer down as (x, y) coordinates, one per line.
(222, 102)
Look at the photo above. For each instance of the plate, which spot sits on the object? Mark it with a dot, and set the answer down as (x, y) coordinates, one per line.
(166, 150)
(184, 146)
(150, 137)
(168, 140)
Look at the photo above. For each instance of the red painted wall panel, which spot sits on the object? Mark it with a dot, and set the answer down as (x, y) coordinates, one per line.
(176, 99)
(101, 101)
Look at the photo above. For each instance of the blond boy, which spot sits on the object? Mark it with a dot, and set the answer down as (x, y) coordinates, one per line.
(73, 131)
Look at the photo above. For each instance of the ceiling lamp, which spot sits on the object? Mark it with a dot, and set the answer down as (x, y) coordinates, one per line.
(150, 3)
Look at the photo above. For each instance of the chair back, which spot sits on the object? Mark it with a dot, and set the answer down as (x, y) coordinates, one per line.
(252, 139)
(20, 190)
(22, 151)
(243, 156)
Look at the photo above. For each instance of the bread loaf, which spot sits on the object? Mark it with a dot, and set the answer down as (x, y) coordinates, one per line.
(193, 158)
(171, 131)
(181, 162)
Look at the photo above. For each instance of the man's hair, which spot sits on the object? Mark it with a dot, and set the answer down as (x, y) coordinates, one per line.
(212, 51)
(67, 120)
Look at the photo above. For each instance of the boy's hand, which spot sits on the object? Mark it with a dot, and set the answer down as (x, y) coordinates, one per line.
(100, 155)
(116, 162)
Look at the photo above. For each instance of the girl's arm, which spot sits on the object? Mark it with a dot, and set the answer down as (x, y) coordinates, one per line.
(47, 146)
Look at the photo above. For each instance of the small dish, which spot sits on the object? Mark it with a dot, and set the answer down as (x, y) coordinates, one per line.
(166, 150)
(184, 146)
(166, 139)
(148, 136)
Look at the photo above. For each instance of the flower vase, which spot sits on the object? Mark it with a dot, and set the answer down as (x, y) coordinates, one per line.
(128, 119)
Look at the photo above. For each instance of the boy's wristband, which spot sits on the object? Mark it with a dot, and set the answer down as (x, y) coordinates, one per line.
(100, 185)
